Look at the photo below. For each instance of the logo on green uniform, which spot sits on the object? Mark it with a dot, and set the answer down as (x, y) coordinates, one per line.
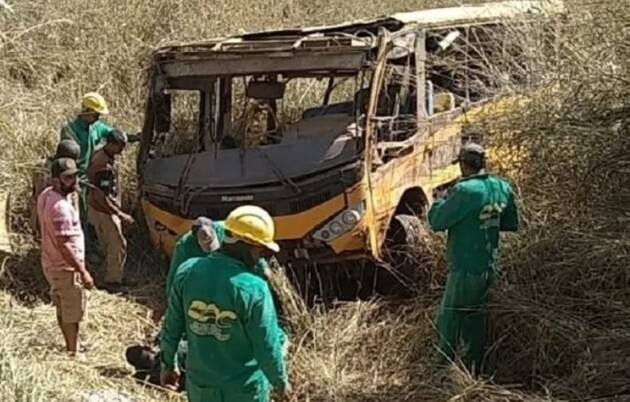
(490, 215)
(208, 319)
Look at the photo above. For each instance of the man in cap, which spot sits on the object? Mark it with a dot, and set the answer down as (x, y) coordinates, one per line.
(43, 179)
(63, 256)
(227, 312)
(473, 213)
(104, 210)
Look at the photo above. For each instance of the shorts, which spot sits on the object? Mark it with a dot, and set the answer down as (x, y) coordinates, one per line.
(67, 295)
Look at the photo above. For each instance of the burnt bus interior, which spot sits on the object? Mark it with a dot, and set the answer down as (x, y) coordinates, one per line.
(463, 62)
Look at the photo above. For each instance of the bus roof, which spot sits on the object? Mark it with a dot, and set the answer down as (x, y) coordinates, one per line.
(438, 18)
(348, 41)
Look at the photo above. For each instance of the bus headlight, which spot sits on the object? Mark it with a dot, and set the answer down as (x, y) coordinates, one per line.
(340, 224)
(351, 217)
(336, 228)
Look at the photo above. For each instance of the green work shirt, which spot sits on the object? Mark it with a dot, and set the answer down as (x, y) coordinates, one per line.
(228, 316)
(188, 247)
(88, 137)
(476, 209)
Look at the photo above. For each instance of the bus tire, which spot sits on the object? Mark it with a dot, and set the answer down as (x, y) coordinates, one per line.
(405, 250)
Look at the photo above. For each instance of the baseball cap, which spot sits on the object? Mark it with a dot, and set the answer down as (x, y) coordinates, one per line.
(63, 167)
(470, 152)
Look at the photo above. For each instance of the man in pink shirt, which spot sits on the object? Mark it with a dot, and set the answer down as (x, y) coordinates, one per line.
(63, 253)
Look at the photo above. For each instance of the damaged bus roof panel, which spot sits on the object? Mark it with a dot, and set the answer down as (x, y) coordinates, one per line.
(431, 18)
(332, 47)
(285, 55)
(282, 62)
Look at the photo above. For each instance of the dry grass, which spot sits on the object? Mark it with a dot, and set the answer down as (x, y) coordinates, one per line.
(560, 314)
(33, 367)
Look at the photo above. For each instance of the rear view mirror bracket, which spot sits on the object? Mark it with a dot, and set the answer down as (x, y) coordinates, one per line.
(265, 90)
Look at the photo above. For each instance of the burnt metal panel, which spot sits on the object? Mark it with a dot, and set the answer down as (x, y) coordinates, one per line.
(429, 18)
(263, 63)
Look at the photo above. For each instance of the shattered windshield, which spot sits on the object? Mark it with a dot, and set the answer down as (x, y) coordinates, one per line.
(242, 112)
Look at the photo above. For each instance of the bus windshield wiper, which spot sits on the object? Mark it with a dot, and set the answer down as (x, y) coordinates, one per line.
(278, 172)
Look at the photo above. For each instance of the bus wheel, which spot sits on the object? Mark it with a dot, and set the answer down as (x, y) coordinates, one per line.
(405, 255)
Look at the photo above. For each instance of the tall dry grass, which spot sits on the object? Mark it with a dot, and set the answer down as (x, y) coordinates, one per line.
(560, 313)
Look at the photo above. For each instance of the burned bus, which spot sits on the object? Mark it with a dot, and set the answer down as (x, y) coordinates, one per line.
(340, 132)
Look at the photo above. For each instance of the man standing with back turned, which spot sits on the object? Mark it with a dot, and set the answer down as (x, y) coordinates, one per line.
(204, 237)
(473, 212)
(235, 345)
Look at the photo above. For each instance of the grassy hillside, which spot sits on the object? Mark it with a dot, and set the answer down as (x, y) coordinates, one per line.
(560, 314)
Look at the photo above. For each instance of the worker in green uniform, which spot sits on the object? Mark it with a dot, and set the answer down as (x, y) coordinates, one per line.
(204, 237)
(88, 131)
(473, 212)
(234, 339)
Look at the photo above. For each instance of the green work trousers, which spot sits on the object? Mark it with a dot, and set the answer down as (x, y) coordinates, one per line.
(461, 318)
(257, 392)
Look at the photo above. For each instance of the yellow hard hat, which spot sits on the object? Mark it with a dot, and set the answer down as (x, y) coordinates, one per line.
(94, 101)
(254, 225)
